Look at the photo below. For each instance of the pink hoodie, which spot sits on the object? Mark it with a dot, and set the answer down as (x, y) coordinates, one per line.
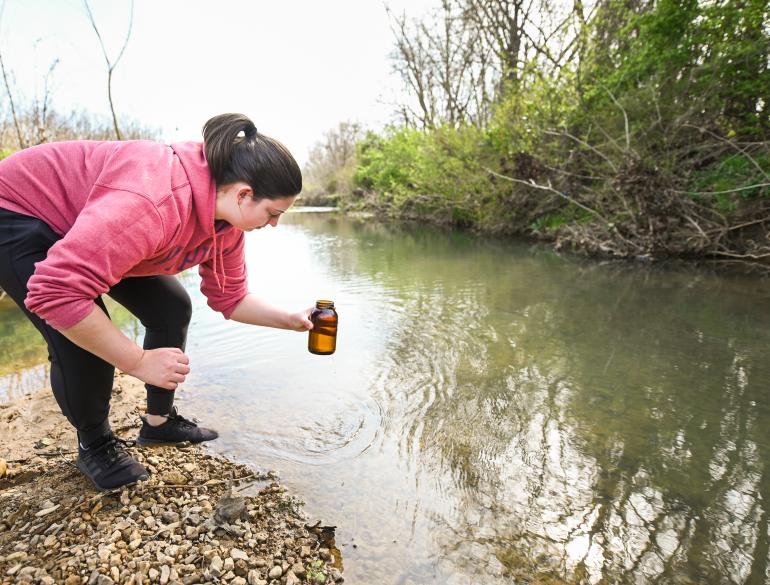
(135, 208)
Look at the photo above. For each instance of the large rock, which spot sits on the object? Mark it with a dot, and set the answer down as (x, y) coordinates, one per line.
(230, 508)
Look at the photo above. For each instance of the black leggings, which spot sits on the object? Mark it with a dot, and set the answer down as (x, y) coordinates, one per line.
(81, 381)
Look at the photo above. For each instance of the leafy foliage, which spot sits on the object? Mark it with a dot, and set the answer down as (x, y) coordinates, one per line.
(638, 129)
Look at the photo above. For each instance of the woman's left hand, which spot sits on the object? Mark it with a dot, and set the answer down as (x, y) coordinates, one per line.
(300, 321)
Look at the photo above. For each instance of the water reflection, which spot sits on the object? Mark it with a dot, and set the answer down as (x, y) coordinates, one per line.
(24, 367)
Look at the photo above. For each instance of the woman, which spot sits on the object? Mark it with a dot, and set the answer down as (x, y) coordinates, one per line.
(81, 219)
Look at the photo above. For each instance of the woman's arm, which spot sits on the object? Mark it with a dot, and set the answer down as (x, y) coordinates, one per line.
(254, 311)
(164, 367)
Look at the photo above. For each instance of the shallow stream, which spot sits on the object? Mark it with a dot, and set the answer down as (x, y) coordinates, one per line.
(493, 411)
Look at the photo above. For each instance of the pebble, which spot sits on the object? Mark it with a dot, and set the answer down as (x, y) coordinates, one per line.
(216, 566)
(236, 553)
(48, 510)
(193, 578)
(275, 572)
(3, 467)
(169, 517)
(174, 478)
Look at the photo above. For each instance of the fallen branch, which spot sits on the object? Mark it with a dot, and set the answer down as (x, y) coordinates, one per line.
(549, 188)
(532, 183)
(742, 256)
(742, 225)
(733, 145)
(700, 230)
(203, 485)
(737, 189)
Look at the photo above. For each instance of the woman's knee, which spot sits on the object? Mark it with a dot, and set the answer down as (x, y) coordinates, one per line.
(179, 312)
(186, 308)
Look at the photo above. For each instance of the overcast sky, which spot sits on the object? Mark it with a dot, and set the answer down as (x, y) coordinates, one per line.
(297, 68)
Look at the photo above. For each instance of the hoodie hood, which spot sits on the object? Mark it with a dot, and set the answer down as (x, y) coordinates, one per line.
(192, 157)
(204, 188)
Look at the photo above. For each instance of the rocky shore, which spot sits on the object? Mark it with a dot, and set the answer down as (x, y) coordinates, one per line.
(200, 518)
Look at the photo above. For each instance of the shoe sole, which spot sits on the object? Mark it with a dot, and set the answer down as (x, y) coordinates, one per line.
(144, 442)
(144, 477)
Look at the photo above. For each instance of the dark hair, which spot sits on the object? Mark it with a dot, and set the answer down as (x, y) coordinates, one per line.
(235, 151)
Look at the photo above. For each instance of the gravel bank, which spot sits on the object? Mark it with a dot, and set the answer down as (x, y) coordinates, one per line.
(200, 518)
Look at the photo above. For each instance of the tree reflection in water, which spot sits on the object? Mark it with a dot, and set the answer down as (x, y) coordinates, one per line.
(583, 422)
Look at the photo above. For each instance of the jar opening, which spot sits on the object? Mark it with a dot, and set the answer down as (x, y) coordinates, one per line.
(324, 304)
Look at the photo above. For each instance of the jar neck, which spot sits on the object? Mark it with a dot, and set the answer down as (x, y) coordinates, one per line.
(324, 304)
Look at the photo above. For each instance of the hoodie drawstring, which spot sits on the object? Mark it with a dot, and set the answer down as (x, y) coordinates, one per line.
(218, 256)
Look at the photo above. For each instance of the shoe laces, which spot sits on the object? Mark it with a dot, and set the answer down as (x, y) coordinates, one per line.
(112, 450)
(177, 419)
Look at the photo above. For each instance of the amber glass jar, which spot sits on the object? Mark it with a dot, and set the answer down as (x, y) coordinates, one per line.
(323, 335)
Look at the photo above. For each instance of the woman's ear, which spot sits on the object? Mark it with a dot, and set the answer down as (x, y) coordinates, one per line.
(244, 192)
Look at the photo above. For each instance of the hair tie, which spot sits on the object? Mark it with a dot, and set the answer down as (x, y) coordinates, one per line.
(250, 133)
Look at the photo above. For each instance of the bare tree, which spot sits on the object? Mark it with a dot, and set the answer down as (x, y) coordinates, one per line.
(461, 58)
(41, 107)
(331, 161)
(444, 67)
(111, 64)
(500, 24)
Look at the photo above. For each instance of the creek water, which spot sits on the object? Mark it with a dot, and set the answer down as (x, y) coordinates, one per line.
(494, 413)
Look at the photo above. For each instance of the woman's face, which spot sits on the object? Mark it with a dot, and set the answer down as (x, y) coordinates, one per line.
(260, 213)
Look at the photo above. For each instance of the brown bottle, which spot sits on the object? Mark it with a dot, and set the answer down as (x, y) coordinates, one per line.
(323, 335)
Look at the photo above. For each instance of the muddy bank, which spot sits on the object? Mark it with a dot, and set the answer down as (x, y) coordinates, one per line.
(200, 518)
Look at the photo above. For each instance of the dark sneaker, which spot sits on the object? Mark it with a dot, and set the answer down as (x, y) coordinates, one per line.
(108, 465)
(176, 429)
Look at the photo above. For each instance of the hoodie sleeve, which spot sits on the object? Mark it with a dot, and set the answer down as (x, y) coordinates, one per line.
(225, 288)
(115, 231)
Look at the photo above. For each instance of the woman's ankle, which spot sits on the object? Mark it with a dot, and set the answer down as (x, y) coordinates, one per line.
(155, 419)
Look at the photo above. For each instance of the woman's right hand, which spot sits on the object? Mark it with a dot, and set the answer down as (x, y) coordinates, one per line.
(165, 367)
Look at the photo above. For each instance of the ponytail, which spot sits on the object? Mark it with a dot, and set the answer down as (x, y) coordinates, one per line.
(236, 151)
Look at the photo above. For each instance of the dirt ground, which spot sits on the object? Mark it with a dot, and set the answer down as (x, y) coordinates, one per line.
(33, 424)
